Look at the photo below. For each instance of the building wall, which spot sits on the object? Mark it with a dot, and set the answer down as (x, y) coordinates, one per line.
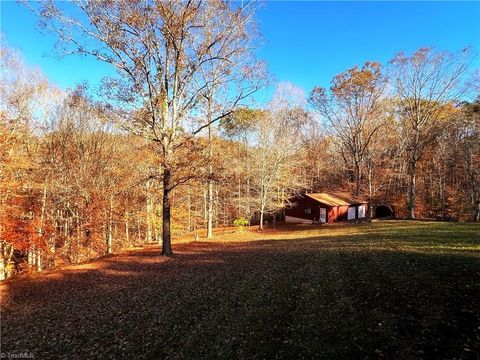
(337, 213)
(334, 213)
(296, 220)
(303, 203)
(340, 213)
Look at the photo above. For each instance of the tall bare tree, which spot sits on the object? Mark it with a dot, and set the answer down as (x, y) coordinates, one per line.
(163, 51)
(469, 134)
(276, 148)
(352, 110)
(425, 83)
(217, 101)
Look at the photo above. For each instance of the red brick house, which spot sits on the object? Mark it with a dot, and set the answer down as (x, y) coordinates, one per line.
(326, 208)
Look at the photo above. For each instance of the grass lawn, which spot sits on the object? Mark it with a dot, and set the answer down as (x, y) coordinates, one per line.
(400, 290)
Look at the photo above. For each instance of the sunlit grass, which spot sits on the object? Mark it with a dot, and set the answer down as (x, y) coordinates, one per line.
(436, 236)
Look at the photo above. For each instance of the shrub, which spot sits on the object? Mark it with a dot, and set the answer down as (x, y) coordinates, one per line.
(240, 223)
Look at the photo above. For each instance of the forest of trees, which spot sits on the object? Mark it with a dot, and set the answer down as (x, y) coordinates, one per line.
(174, 144)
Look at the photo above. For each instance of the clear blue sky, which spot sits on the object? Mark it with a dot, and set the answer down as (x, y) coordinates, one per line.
(306, 43)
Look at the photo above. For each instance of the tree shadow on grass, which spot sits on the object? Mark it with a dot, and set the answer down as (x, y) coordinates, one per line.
(309, 298)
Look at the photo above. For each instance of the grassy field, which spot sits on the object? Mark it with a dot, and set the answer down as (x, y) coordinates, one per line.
(398, 290)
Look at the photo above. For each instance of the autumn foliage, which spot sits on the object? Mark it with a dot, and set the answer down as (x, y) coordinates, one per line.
(172, 145)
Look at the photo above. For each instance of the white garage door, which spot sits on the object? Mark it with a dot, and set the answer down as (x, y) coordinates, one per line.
(361, 211)
(351, 213)
(323, 215)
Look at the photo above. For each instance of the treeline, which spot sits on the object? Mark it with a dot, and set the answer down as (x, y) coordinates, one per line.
(76, 186)
(172, 146)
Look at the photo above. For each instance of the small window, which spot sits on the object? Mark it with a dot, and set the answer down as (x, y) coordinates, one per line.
(308, 211)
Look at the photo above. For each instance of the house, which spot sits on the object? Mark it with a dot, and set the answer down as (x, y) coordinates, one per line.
(326, 208)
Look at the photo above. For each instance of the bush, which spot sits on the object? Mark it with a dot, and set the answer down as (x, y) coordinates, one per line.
(240, 223)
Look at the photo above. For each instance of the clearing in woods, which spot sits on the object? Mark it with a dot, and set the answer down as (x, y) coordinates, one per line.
(386, 289)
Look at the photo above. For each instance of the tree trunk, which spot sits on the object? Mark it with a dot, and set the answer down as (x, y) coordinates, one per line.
(41, 230)
(210, 186)
(239, 198)
(39, 260)
(110, 235)
(31, 256)
(139, 232)
(67, 234)
(77, 251)
(358, 176)
(6, 255)
(442, 195)
(205, 202)
(247, 191)
(166, 215)
(261, 220)
(2, 262)
(411, 189)
(474, 196)
(156, 229)
(210, 209)
(189, 202)
(370, 190)
(127, 228)
(225, 214)
(476, 214)
(149, 213)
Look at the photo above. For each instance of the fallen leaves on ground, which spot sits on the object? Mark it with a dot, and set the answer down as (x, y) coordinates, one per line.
(382, 290)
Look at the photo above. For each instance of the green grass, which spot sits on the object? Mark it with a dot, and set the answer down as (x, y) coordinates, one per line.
(400, 290)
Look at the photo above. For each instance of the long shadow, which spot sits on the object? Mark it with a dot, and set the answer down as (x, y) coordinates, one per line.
(309, 298)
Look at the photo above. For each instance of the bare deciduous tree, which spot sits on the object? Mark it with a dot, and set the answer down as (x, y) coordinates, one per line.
(352, 109)
(425, 82)
(163, 51)
(469, 134)
(276, 151)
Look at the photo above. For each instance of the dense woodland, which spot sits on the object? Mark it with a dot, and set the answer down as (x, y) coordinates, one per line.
(174, 144)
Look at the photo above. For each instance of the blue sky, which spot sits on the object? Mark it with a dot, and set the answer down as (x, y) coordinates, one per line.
(306, 43)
